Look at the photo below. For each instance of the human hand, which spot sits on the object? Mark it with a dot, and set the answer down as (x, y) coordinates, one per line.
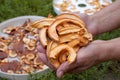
(42, 53)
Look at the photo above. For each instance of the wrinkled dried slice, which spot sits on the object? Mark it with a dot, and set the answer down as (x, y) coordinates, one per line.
(88, 36)
(62, 28)
(3, 46)
(55, 63)
(63, 56)
(52, 29)
(59, 27)
(74, 42)
(69, 30)
(12, 53)
(68, 37)
(71, 16)
(30, 47)
(26, 61)
(43, 22)
(26, 68)
(56, 51)
(37, 60)
(50, 46)
(83, 41)
(43, 36)
(30, 56)
(8, 30)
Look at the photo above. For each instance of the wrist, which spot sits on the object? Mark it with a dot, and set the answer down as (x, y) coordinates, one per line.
(109, 50)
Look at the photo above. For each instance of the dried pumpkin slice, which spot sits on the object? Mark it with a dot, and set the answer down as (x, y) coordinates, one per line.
(68, 37)
(30, 56)
(69, 30)
(50, 46)
(52, 29)
(43, 36)
(37, 60)
(55, 63)
(12, 53)
(43, 22)
(56, 51)
(71, 16)
(88, 36)
(74, 42)
(63, 56)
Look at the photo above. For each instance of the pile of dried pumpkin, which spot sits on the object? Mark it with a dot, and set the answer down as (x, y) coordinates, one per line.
(62, 37)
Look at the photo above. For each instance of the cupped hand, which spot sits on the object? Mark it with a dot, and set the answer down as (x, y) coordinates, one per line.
(86, 56)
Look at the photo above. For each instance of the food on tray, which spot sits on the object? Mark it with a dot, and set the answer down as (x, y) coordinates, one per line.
(21, 43)
(80, 6)
(62, 37)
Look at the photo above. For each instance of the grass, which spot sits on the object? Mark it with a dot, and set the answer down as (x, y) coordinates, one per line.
(14, 8)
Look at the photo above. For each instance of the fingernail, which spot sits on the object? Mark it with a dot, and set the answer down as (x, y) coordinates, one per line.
(60, 74)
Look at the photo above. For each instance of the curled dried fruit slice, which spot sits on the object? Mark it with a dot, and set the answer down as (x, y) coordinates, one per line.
(55, 63)
(3, 46)
(26, 61)
(56, 51)
(71, 16)
(50, 46)
(74, 42)
(63, 56)
(52, 29)
(68, 37)
(30, 56)
(30, 47)
(43, 36)
(37, 60)
(69, 30)
(88, 36)
(43, 22)
(8, 30)
(83, 41)
(12, 53)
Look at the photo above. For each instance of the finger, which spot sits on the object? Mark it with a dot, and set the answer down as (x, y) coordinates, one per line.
(40, 49)
(65, 67)
(44, 59)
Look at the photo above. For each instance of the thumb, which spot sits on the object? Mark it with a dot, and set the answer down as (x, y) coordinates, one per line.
(64, 68)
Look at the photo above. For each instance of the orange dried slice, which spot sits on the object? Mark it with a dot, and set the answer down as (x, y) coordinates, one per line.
(63, 56)
(30, 56)
(74, 42)
(12, 53)
(68, 37)
(37, 60)
(50, 46)
(56, 51)
(69, 30)
(43, 22)
(43, 36)
(55, 63)
(52, 29)
(71, 16)
(88, 36)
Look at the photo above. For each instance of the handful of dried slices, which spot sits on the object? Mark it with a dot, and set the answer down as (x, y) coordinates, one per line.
(62, 37)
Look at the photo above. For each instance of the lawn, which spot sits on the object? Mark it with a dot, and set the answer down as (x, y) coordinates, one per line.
(13, 8)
